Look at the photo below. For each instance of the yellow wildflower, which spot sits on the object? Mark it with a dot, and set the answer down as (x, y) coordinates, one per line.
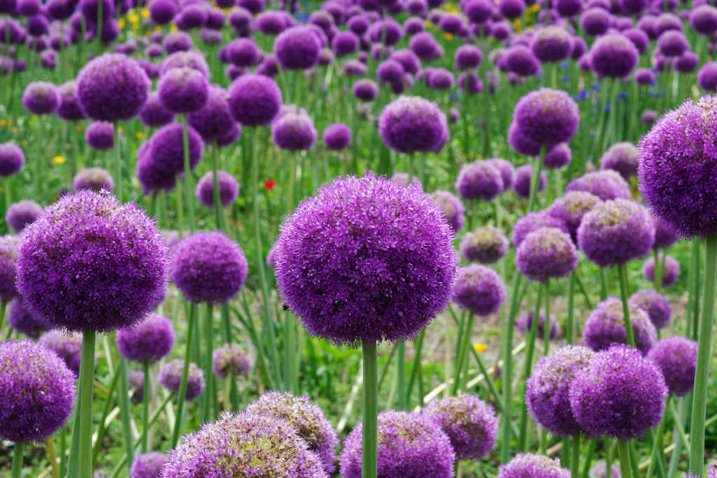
(58, 160)
(479, 347)
(139, 135)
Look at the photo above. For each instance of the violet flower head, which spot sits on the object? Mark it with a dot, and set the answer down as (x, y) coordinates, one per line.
(213, 120)
(677, 359)
(41, 98)
(599, 470)
(523, 178)
(613, 56)
(297, 48)
(551, 44)
(605, 185)
(507, 171)
(411, 124)
(153, 113)
(170, 377)
(190, 59)
(670, 271)
(383, 266)
(135, 380)
(532, 222)
(148, 465)
(228, 189)
(605, 326)
(293, 130)
(8, 267)
(558, 156)
(69, 108)
(91, 263)
(66, 345)
(23, 320)
(147, 341)
(183, 90)
(100, 135)
(451, 207)
(479, 180)
(665, 234)
(479, 290)
(546, 116)
(254, 100)
(166, 151)
(21, 214)
(546, 253)
(94, 179)
(623, 158)
(11, 159)
(337, 136)
(526, 465)
(525, 323)
(657, 306)
(230, 359)
(571, 208)
(485, 245)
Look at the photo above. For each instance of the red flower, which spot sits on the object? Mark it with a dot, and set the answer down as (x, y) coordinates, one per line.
(269, 184)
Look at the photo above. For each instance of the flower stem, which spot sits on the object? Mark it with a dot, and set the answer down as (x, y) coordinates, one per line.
(17, 459)
(125, 409)
(507, 383)
(629, 335)
(81, 462)
(208, 375)
(546, 324)
(523, 440)
(570, 326)
(185, 373)
(463, 348)
(187, 183)
(535, 180)
(401, 376)
(575, 459)
(624, 453)
(370, 411)
(146, 396)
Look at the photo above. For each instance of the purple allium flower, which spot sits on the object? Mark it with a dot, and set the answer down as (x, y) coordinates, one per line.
(620, 394)
(162, 11)
(337, 136)
(94, 179)
(621, 157)
(166, 149)
(526, 465)
(112, 87)
(478, 289)
(605, 185)
(365, 90)
(8, 267)
(183, 90)
(66, 345)
(228, 189)
(523, 178)
(599, 470)
(703, 19)
(297, 48)
(605, 326)
(546, 253)
(91, 263)
(551, 44)
(546, 116)
(511, 8)
(479, 180)
(41, 98)
(571, 208)
(386, 32)
(547, 389)
(170, 377)
(614, 56)
(665, 234)
(687, 62)
(677, 358)
(558, 156)
(532, 222)
(595, 21)
(616, 232)
(672, 43)
(383, 267)
(11, 159)
(305, 418)
(147, 341)
(525, 322)
(37, 391)
(21, 214)
(412, 124)
(135, 380)
(230, 359)
(657, 306)
(519, 59)
(244, 445)
(507, 172)
(100, 135)
(254, 100)
(148, 465)
(470, 424)
(403, 180)
(645, 76)
(467, 57)
(389, 71)
(293, 130)
(23, 320)
(243, 53)
(409, 446)
(707, 76)
(485, 245)
(452, 208)
(213, 120)
(153, 113)
(670, 271)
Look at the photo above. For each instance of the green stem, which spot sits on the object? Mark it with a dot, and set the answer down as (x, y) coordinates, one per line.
(146, 395)
(546, 322)
(575, 458)
(187, 183)
(218, 214)
(289, 360)
(208, 375)
(523, 439)
(507, 383)
(417, 350)
(589, 458)
(462, 353)
(17, 459)
(629, 335)
(80, 463)
(125, 409)
(624, 453)
(401, 376)
(535, 179)
(185, 373)
(370, 412)
(570, 326)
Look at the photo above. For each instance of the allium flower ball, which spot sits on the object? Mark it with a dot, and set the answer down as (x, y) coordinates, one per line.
(153, 113)
(228, 189)
(170, 377)
(112, 87)
(135, 380)
(546, 116)
(20, 214)
(526, 465)
(599, 470)
(230, 359)
(11, 159)
(382, 267)
(214, 119)
(467, 57)
(551, 44)
(613, 56)
(183, 90)
(616, 232)
(670, 271)
(485, 245)
(411, 124)
(665, 234)
(605, 185)
(479, 180)
(623, 158)
(657, 306)
(571, 208)
(605, 326)
(41, 98)
(558, 156)
(707, 76)
(100, 135)
(523, 181)
(305, 418)
(23, 320)
(677, 359)
(66, 345)
(166, 150)
(90, 263)
(547, 253)
(8, 268)
(298, 48)
(148, 465)
(470, 424)
(94, 179)
(337, 136)
(293, 130)
(365, 90)
(146, 341)
(532, 222)
(37, 391)
(525, 323)
(452, 208)
(620, 394)
(547, 389)
(507, 172)
(409, 446)
(244, 445)
(254, 100)
(479, 290)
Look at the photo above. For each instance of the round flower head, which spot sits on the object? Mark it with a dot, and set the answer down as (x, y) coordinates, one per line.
(571, 208)
(613, 56)
(451, 207)
(485, 245)
(297, 48)
(254, 100)
(656, 306)
(37, 391)
(94, 179)
(605, 326)
(100, 135)
(228, 189)
(523, 178)
(599, 470)
(244, 445)
(183, 90)
(645, 76)
(620, 394)
(467, 57)
(191, 59)
(230, 359)
(166, 150)
(337, 136)
(411, 124)
(672, 43)
(153, 113)
(23, 320)
(214, 119)
(526, 465)
(147, 341)
(11, 159)
(551, 44)
(69, 108)
(365, 90)
(507, 172)
(8, 268)
(707, 76)
(479, 180)
(135, 379)
(293, 130)
(305, 418)
(148, 465)
(66, 345)
(677, 358)
(20, 214)
(519, 59)
(558, 156)
(525, 323)
(41, 98)
(409, 446)
(547, 389)
(623, 158)
(703, 19)
(616, 232)
(546, 253)
(532, 222)
(665, 234)
(670, 271)
(170, 377)
(469, 423)
(209, 267)
(479, 290)
(91, 263)
(605, 185)
(112, 87)
(546, 116)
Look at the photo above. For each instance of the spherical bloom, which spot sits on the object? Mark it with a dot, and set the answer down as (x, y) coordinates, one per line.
(66, 345)
(467, 57)
(183, 90)
(703, 19)
(244, 445)
(558, 156)
(657, 306)
(409, 446)
(605, 185)
(297, 48)
(8, 268)
(479, 290)
(519, 59)
(470, 424)
(452, 208)
(672, 43)
(599, 470)
(146, 341)
(485, 245)
(571, 208)
(523, 181)
(166, 150)
(525, 323)
(605, 326)
(162, 11)
(479, 180)
(11, 159)
(37, 391)
(412, 124)
(532, 222)
(90, 263)
(623, 158)
(365, 90)
(613, 56)
(305, 418)
(230, 359)
(383, 266)
(526, 465)
(41, 98)
(94, 179)
(620, 394)
(595, 21)
(645, 76)
(547, 116)
(148, 465)
(665, 234)
(100, 135)
(112, 87)
(547, 253)
(707, 76)
(687, 62)
(677, 359)
(511, 8)
(404, 179)
(153, 113)
(254, 100)
(337, 136)
(21, 214)
(547, 389)
(228, 189)
(243, 53)
(293, 130)
(670, 271)
(507, 172)
(551, 44)
(170, 377)
(23, 320)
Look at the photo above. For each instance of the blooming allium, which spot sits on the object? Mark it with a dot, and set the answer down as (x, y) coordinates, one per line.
(605, 185)
(546, 116)
(23, 320)
(670, 271)
(479, 289)
(149, 340)
(677, 358)
(452, 208)
(547, 253)
(411, 124)
(66, 345)
(605, 326)
(148, 465)
(485, 245)
(526, 465)
(230, 359)
(571, 208)
(657, 306)
(170, 377)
